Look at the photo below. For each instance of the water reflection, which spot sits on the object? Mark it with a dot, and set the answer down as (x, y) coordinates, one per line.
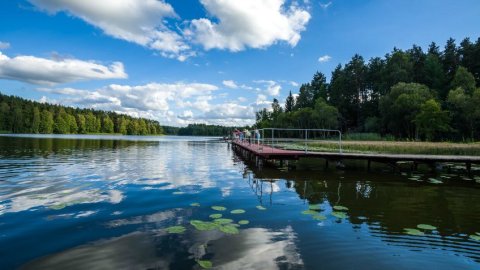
(106, 204)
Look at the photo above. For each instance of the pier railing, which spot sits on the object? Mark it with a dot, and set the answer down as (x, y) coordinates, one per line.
(307, 140)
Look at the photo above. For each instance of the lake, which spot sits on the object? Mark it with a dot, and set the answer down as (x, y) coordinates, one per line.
(122, 202)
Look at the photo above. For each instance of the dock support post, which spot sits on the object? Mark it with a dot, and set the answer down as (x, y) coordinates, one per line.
(326, 164)
(469, 168)
(368, 165)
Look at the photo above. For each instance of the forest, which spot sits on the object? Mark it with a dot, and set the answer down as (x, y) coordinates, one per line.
(199, 130)
(412, 94)
(18, 115)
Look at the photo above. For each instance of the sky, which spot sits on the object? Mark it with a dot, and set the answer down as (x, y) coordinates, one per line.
(204, 61)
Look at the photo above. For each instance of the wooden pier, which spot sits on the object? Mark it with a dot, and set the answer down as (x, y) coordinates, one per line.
(263, 152)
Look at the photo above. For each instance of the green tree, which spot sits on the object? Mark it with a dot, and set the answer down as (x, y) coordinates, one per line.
(61, 122)
(17, 120)
(81, 124)
(91, 123)
(107, 125)
(431, 120)
(465, 110)
(72, 124)
(400, 107)
(36, 120)
(464, 79)
(5, 118)
(289, 103)
(46, 122)
(326, 116)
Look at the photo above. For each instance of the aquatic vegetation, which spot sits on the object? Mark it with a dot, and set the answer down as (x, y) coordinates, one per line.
(205, 264)
(219, 208)
(415, 232)
(223, 221)
(203, 226)
(259, 207)
(309, 212)
(237, 211)
(340, 215)
(426, 227)
(195, 204)
(475, 237)
(340, 208)
(243, 222)
(176, 229)
(434, 181)
(178, 193)
(215, 216)
(319, 217)
(229, 229)
(315, 207)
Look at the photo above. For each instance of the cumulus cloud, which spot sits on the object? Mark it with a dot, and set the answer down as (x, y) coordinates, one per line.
(230, 84)
(325, 5)
(272, 88)
(324, 59)
(140, 22)
(4, 45)
(248, 23)
(44, 71)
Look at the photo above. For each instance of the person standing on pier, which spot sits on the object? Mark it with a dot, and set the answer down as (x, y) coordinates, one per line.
(257, 136)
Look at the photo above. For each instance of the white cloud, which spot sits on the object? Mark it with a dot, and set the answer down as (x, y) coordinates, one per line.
(325, 5)
(230, 84)
(272, 87)
(44, 71)
(4, 45)
(324, 59)
(248, 23)
(294, 84)
(141, 22)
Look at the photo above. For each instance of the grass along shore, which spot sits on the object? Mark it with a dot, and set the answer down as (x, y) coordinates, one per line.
(425, 148)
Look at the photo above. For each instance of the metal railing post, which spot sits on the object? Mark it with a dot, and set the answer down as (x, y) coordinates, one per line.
(340, 141)
(306, 138)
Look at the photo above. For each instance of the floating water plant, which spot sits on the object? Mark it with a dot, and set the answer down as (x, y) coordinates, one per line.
(178, 193)
(223, 221)
(315, 207)
(475, 237)
(434, 181)
(319, 217)
(176, 229)
(238, 211)
(219, 208)
(243, 222)
(415, 232)
(215, 216)
(259, 207)
(205, 264)
(309, 212)
(426, 227)
(340, 208)
(195, 204)
(229, 229)
(339, 214)
(203, 226)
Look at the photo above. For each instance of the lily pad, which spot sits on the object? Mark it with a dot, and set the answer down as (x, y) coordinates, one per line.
(203, 226)
(176, 229)
(219, 208)
(229, 229)
(243, 222)
(259, 207)
(315, 207)
(195, 204)
(426, 227)
(223, 221)
(434, 181)
(319, 217)
(339, 214)
(58, 206)
(340, 208)
(415, 232)
(309, 212)
(178, 193)
(205, 264)
(215, 216)
(475, 237)
(477, 233)
(238, 211)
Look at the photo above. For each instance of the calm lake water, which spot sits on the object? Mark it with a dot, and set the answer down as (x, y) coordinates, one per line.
(73, 202)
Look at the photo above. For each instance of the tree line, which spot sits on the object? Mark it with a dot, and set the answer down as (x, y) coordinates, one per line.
(199, 130)
(410, 94)
(18, 115)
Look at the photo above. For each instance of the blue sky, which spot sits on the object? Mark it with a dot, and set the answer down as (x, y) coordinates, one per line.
(209, 61)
